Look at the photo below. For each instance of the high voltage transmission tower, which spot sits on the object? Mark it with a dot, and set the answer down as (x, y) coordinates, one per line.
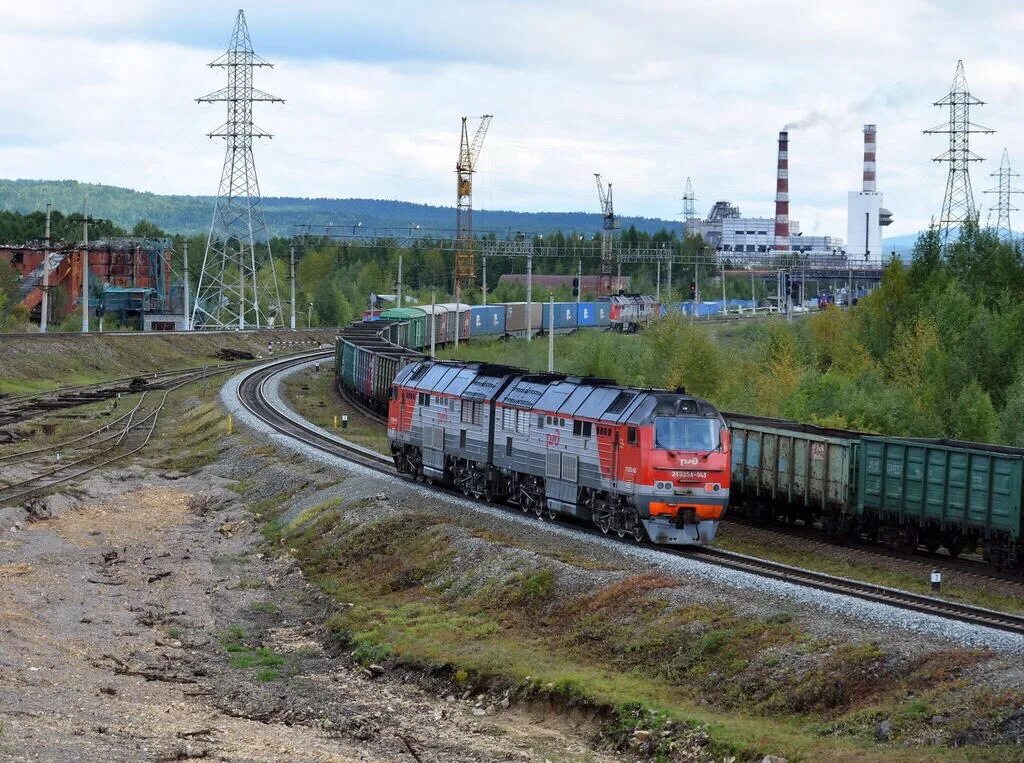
(230, 292)
(465, 263)
(958, 205)
(1004, 189)
(689, 207)
(610, 224)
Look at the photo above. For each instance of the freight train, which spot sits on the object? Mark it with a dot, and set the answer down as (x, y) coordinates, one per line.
(908, 492)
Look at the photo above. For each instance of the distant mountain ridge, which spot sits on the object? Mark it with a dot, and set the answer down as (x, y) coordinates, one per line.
(286, 215)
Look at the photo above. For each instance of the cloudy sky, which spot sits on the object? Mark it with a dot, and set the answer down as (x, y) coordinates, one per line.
(647, 93)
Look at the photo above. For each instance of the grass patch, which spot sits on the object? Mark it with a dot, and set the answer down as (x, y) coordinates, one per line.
(314, 396)
(242, 656)
(961, 589)
(758, 685)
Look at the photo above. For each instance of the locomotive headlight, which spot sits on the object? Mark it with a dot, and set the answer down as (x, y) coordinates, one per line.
(712, 487)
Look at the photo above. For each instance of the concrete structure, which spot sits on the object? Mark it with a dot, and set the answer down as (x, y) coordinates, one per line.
(865, 215)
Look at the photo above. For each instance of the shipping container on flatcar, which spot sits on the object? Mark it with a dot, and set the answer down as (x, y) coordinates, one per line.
(586, 314)
(436, 320)
(798, 471)
(564, 315)
(943, 493)
(519, 314)
(487, 320)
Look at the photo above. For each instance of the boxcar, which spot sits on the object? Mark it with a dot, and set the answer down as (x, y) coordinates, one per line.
(413, 335)
(487, 320)
(942, 492)
(799, 471)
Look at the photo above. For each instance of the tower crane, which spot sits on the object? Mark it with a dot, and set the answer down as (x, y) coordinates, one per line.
(465, 267)
(610, 224)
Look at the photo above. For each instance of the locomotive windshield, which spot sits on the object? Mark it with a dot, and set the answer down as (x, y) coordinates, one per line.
(679, 433)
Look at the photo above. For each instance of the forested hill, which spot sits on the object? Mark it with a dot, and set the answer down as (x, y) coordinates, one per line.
(191, 214)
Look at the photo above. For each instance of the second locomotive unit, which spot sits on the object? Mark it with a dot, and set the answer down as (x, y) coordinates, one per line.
(642, 463)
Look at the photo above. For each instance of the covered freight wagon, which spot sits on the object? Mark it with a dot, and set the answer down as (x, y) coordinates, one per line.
(943, 493)
(413, 333)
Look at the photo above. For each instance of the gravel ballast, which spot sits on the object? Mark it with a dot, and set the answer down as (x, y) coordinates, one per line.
(827, 610)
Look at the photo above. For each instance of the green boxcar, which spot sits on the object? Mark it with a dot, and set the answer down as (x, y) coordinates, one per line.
(348, 364)
(414, 335)
(782, 467)
(970, 488)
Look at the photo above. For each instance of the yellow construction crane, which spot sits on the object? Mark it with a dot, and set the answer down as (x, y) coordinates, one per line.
(465, 267)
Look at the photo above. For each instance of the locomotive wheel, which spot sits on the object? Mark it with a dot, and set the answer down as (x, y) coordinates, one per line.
(552, 514)
(489, 492)
(601, 516)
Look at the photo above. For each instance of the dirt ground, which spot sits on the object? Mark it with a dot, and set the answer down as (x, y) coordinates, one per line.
(135, 622)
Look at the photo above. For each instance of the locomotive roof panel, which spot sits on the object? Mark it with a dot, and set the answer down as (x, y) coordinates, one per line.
(484, 387)
(523, 393)
(555, 395)
(598, 402)
(577, 398)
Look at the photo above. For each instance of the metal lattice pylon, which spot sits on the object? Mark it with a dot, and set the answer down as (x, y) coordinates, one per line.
(958, 205)
(230, 293)
(689, 206)
(1004, 189)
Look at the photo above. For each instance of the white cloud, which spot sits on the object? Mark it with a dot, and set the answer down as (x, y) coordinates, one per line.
(645, 93)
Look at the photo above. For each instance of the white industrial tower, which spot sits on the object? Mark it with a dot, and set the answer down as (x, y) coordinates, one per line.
(1003, 206)
(865, 215)
(230, 293)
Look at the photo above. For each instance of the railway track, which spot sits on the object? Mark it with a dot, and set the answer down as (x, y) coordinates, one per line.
(135, 433)
(252, 394)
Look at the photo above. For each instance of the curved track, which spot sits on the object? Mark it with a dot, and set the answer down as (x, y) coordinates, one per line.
(251, 392)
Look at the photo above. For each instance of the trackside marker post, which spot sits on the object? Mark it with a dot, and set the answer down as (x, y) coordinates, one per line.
(936, 579)
(231, 423)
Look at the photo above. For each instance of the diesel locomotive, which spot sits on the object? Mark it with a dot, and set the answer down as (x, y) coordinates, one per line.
(637, 462)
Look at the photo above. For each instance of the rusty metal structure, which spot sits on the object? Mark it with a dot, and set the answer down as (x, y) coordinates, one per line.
(604, 195)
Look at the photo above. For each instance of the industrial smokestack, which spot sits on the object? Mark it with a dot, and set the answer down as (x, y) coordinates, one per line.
(870, 143)
(782, 197)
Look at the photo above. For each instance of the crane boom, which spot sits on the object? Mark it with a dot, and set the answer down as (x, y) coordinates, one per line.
(610, 224)
(469, 152)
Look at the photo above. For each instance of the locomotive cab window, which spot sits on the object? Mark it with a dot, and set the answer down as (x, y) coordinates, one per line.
(631, 437)
(582, 428)
(685, 433)
(424, 398)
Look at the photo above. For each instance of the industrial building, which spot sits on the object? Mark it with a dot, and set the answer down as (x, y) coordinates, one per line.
(865, 215)
(129, 278)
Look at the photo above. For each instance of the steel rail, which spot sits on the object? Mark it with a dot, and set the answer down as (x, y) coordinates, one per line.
(152, 418)
(251, 395)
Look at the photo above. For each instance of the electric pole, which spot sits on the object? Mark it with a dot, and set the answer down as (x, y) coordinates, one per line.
(237, 215)
(958, 204)
(45, 308)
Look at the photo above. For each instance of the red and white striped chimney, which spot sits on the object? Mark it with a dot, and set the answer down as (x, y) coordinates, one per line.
(781, 243)
(870, 143)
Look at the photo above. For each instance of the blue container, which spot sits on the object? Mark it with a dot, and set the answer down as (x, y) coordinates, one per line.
(602, 318)
(587, 314)
(487, 320)
(565, 317)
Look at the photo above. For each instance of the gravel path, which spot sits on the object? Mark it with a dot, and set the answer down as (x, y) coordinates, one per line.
(828, 608)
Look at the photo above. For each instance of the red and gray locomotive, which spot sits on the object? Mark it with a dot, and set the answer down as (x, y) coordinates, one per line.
(637, 462)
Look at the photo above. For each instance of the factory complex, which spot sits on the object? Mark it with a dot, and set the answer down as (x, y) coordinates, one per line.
(727, 231)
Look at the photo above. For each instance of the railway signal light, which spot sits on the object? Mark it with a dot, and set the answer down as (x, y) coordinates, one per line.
(575, 287)
(693, 289)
